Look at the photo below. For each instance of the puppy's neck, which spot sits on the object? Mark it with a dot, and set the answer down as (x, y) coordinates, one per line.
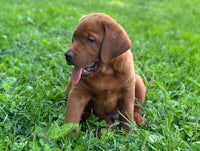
(106, 69)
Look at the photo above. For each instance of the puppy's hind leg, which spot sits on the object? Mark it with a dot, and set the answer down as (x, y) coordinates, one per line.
(140, 93)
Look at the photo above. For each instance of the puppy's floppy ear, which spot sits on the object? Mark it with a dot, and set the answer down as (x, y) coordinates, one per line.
(115, 41)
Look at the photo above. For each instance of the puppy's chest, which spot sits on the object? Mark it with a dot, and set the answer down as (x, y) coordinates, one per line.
(104, 83)
(106, 89)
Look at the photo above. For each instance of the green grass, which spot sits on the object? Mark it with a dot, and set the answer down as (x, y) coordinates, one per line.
(33, 74)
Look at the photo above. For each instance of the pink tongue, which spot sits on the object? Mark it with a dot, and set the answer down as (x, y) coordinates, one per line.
(76, 75)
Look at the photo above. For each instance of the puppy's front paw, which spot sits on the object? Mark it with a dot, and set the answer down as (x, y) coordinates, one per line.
(139, 119)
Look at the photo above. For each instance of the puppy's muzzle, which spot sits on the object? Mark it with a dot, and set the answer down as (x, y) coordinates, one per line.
(69, 55)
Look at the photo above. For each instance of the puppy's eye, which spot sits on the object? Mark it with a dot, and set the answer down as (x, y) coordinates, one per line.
(90, 40)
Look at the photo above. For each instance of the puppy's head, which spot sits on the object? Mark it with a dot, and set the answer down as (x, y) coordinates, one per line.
(97, 39)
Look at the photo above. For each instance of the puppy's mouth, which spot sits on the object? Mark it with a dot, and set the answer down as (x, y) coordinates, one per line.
(77, 73)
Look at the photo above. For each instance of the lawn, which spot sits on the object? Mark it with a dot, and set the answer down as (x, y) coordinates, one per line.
(35, 34)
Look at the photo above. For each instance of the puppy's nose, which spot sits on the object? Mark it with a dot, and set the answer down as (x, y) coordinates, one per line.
(69, 55)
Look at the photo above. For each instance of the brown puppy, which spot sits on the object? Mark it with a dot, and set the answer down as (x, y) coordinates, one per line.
(103, 77)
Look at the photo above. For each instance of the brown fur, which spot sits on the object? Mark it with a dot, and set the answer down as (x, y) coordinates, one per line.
(113, 87)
